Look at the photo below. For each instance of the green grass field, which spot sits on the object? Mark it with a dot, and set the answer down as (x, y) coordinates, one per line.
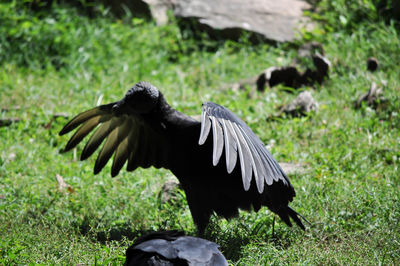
(60, 60)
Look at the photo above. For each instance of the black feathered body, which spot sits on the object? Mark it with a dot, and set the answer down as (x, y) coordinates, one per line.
(173, 248)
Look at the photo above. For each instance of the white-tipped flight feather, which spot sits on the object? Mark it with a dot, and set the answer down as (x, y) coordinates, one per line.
(218, 142)
(239, 141)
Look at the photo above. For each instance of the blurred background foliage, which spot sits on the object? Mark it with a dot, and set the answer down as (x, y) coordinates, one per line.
(42, 33)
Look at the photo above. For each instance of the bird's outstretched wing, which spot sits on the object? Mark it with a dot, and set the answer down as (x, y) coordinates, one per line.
(127, 136)
(231, 132)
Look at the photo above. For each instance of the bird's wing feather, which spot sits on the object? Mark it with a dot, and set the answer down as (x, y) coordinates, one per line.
(218, 141)
(230, 145)
(231, 134)
(128, 137)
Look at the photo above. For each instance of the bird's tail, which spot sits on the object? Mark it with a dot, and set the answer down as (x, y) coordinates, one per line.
(289, 212)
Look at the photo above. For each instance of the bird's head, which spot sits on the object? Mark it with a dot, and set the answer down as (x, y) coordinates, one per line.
(140, 99)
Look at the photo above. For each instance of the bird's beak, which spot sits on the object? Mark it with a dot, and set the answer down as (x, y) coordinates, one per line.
(119, 108)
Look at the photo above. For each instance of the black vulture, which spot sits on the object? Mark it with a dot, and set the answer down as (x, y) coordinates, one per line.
(173, 248)
(143, 130)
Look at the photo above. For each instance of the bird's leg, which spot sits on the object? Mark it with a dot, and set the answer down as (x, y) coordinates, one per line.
(201, 214)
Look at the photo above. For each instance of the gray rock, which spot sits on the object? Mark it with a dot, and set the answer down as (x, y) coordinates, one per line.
(303, 104)
(373, 98)
(272, 20)
(159, 8)
(169, 191)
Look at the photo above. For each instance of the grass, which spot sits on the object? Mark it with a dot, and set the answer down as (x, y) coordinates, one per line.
(68, 62)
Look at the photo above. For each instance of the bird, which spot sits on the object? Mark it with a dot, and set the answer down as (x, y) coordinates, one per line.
(173, 248)
(219, 161)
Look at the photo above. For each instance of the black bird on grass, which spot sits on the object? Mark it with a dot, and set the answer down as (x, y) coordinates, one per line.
(143, 130)
(173, 248)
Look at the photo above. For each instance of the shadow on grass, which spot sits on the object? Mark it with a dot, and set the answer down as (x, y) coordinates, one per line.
(103, 234)
(231, 240)
(240, 233)
(230, 243)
